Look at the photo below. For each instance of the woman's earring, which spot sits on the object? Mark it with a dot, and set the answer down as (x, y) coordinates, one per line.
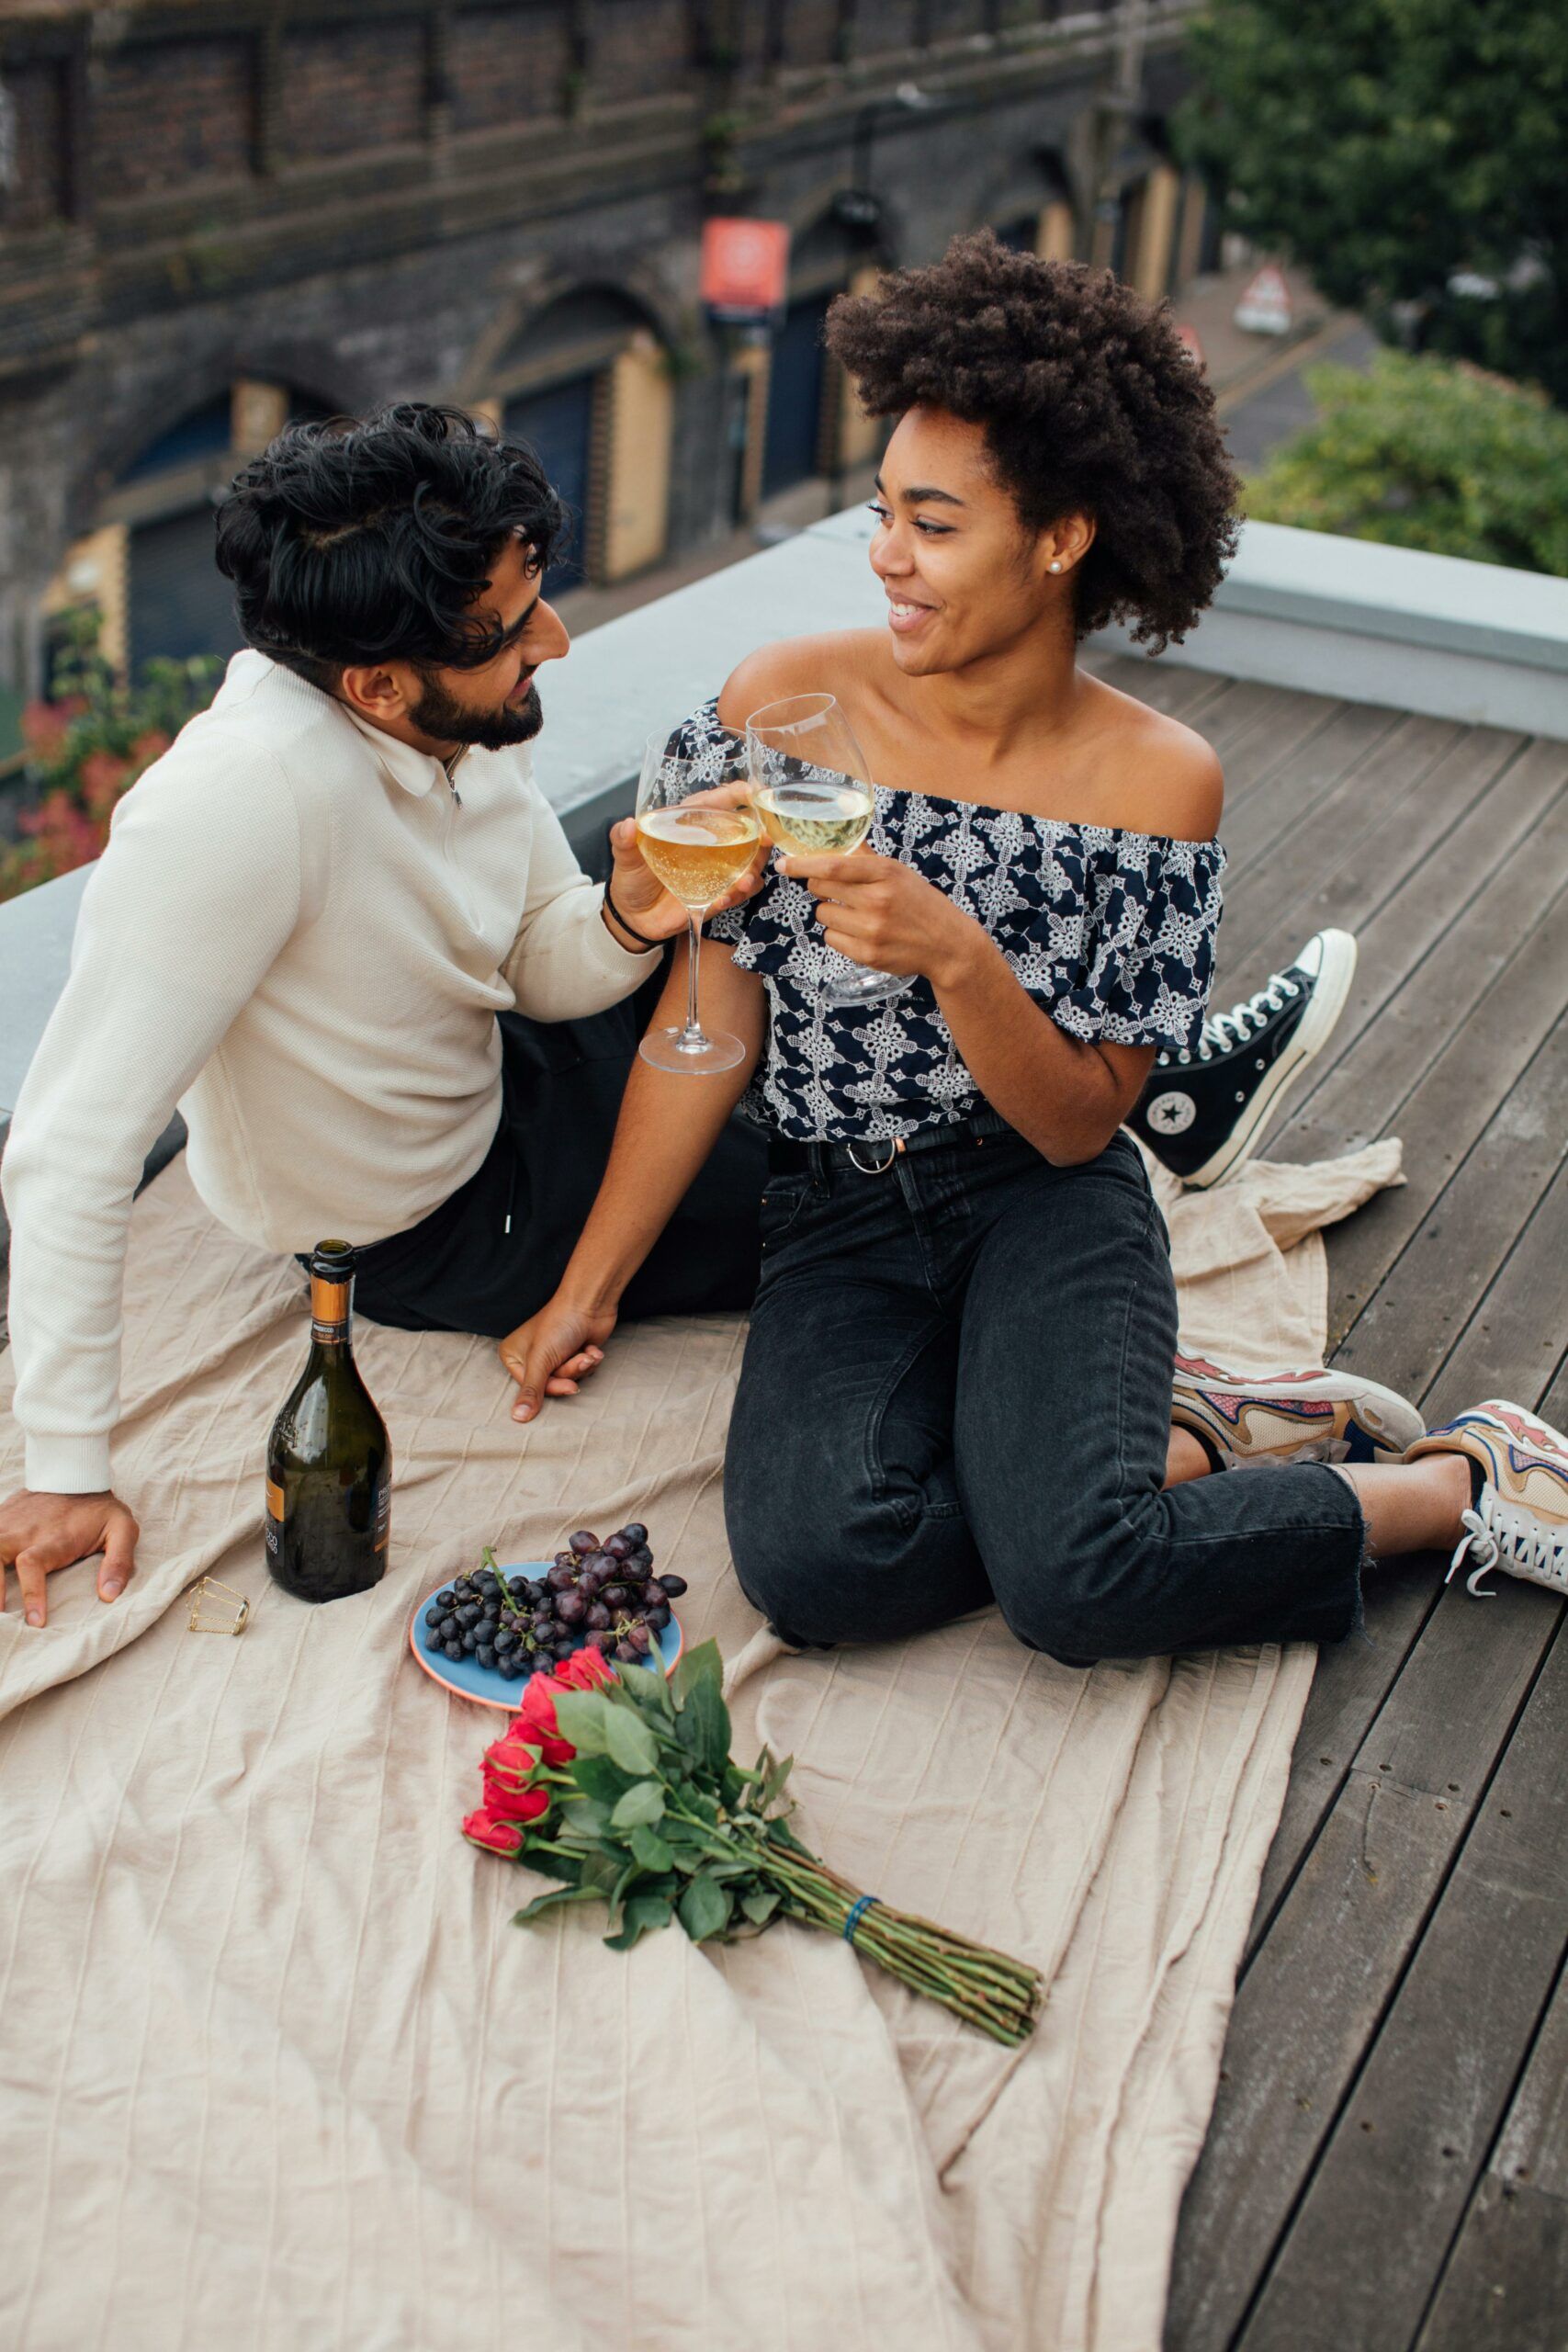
(1055, 566)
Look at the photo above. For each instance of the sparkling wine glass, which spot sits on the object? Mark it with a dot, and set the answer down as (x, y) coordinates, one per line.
(812, 791)
(696, 853)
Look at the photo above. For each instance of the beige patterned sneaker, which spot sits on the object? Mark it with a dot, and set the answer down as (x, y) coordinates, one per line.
(1518, 1523)
(1269, 1419)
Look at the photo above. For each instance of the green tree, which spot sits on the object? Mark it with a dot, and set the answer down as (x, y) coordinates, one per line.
(1426, 453)
(1393, 147)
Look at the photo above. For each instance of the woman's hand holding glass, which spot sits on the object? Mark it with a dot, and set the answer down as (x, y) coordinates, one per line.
(883, 913)
(814, 795)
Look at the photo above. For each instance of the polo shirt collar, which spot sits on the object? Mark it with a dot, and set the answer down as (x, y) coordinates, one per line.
(417, 771)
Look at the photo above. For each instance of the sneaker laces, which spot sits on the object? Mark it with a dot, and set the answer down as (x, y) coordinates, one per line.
(1223, 1032)
(1504, 1535)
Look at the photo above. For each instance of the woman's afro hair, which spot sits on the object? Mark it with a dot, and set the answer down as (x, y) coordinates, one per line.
(1090, 404)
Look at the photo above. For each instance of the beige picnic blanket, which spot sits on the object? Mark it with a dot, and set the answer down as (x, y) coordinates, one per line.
(278, 2074)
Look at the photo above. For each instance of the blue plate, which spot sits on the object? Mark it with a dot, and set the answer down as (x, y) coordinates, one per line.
(469, 1679)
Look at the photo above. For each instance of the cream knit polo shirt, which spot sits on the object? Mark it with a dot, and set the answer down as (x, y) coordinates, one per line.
(300, 936)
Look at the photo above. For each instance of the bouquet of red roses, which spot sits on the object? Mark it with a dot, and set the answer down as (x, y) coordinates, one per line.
(621, 1788)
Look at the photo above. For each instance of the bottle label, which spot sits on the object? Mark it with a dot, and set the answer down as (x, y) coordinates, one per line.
(274, 1529)
(384, 1511)
(329, 1309)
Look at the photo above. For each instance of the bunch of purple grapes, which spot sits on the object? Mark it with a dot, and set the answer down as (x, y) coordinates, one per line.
(603, 1594)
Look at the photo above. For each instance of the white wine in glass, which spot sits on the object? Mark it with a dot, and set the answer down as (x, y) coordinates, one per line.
(811, 791)
(696, 853)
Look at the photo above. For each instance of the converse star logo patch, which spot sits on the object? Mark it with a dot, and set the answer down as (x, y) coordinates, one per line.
(1169, 1113)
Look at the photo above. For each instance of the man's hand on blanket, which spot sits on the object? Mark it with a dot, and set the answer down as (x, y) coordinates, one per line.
(42, 1532)
(553, 1351)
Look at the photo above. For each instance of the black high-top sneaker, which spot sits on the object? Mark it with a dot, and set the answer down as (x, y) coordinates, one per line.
(1203, 1111)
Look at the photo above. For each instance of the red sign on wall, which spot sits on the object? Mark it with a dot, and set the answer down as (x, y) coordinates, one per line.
(745, 269)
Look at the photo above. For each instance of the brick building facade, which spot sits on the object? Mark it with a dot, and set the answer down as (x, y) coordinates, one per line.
(216, 213)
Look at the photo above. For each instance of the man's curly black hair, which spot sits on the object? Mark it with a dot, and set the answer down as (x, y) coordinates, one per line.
(365, 541)
(1090, 404)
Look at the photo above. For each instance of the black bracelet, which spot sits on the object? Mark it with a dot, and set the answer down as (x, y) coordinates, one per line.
(630, 928)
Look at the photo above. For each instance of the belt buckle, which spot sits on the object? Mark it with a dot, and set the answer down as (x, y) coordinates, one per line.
(895, 1147)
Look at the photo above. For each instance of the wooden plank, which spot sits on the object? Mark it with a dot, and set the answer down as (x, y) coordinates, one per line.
(1418, 1310)
(1506, 2285)
(1351, 1913)
(1499, 1351)
(1296, 784)
(1400, 928)
(1388, 2194)
(1506, 2288)
(1363, 827)
(1463, 798)
(1335, 1952)
(1166, 686)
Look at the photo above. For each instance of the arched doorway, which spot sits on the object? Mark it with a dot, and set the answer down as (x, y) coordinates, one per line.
(808, 430)
(586, 385)
(149, 568)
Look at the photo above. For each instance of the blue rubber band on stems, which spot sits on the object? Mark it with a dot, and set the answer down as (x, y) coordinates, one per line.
(858, 1910)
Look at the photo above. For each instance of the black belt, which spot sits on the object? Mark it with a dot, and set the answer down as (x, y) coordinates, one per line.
(875, 1157)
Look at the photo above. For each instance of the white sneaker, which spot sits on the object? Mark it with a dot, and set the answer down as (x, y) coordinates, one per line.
(1518, 1521)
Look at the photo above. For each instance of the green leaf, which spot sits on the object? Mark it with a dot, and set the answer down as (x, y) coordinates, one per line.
(582, 1716)
(629, 1742)
(759, 1907)
(552, 1902)
(597, 1777)
(650, 1849)
(601, 1871)
(704, 1910)
(772, 1785)
(644, 1801)
(708, 1718)
(644, 1912)
(699, 1666)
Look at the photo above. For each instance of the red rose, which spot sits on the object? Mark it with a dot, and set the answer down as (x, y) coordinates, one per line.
(482, 1828)
(507, 1802)
(584, 1669)
(510, 1758)
(536, 1721)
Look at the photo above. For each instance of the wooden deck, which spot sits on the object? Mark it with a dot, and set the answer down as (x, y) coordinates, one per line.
(1387, 2166)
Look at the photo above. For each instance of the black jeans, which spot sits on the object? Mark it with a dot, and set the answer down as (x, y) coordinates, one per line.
(492, 1253)
(956, 1390)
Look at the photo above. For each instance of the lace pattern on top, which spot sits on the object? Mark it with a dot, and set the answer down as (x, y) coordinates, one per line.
(1111, 933)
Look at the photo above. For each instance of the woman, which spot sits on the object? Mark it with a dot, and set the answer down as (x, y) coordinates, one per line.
(958, 1381)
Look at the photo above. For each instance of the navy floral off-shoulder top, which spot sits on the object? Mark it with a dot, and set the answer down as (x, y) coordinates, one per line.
(1112, 933)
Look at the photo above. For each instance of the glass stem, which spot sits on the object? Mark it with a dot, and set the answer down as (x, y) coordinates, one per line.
(693, 1028)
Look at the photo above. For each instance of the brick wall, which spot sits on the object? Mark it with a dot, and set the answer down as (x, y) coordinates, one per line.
(350, 86)
(38, 94)
(642, 49)
(508, 64)
(167, 112)
(949, 19)
(885, 24)
(809, 32)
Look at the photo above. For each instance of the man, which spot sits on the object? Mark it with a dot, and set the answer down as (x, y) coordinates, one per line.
(320, 926)
(310, 929)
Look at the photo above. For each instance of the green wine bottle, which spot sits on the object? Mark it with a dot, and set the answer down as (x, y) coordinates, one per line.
(329, 1463)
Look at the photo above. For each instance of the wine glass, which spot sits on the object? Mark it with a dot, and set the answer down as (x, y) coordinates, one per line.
(811, 790)
(696, 853)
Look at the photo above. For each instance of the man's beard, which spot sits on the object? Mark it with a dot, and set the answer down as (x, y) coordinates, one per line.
(443, 719)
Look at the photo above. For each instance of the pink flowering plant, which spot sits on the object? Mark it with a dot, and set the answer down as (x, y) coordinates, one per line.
(621, 1787)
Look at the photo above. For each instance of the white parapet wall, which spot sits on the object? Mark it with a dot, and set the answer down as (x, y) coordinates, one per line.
(1469, 642)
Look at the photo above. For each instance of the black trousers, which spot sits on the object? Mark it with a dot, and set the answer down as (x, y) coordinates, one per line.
(493, 1253)
(956, 1390)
